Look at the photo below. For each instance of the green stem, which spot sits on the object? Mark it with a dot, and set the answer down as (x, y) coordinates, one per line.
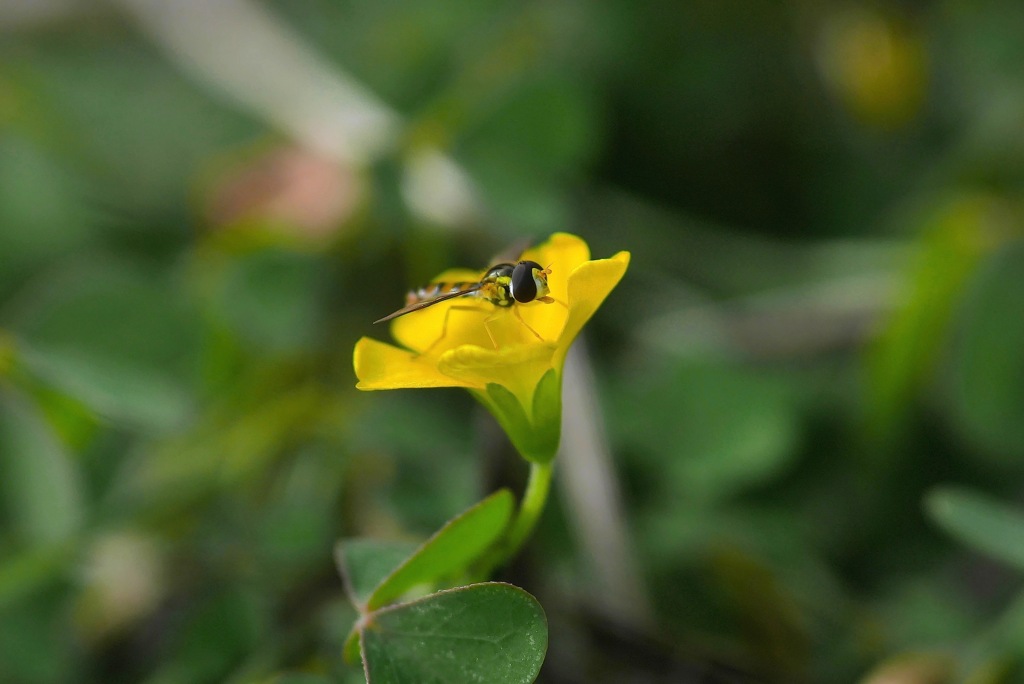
(530, 509)
(532, 505)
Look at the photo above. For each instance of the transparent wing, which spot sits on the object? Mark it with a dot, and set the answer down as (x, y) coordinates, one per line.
(513, 252)
(417, 306)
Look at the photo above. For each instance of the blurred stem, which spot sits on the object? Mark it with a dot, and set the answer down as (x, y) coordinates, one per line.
(530, 508)
(7, 353)
(593, 501)
(272, 71)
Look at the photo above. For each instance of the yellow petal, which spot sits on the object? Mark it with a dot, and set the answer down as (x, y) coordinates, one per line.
(518, 368)
(562, 253)
(420, 329)
(444, 325)
(381, 366)
(588, 286)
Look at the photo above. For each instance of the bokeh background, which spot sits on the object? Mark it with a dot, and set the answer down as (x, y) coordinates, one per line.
(801, 413)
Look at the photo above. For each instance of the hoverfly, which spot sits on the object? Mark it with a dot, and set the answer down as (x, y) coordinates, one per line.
(504, 285)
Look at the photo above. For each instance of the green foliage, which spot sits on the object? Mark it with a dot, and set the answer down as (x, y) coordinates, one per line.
(530, 139)
(450, 550)
(136, 397)
(452, 637)
(987, 393)
(820, 330)
(299, 679)
(447, 636)
(270, 297)
(953, 242)
(535, 434)
(44, 492)
(365, 563)
(716, 428)
(977, 520)
(379, 572)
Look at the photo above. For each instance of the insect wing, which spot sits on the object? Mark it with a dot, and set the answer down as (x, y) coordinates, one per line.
(513, 252)
(417, 306)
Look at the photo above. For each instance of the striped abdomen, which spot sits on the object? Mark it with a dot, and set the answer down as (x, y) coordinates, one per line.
(435, 290)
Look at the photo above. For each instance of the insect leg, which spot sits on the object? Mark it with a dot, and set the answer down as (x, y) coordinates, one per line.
(515, 310)
(444, 326)
(548, 299)
(487, 327)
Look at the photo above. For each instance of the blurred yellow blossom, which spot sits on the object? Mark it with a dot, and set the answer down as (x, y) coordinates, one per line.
(876, 65)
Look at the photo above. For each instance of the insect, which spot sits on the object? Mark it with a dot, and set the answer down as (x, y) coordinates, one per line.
(504, 285)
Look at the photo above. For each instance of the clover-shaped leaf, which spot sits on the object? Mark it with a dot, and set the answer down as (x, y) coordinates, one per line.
(489, 632)
(377, 573)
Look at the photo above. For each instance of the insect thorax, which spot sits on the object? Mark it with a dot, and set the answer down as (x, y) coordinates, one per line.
(496, 285)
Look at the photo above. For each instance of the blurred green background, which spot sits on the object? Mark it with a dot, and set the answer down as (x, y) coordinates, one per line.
(811, 380)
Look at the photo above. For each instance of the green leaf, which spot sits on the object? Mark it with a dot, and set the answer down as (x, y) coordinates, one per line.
(507, 409)
(353, 646)
(995, 654)
(43, 208)
(136, 396)
(547, 417)
(217, 635)
(104, 308)
(489, 632)
(987, 366)
(451, 549)
(299, 678)
(956, 236)
(375, 572)
(365, 563)
(29, 642)
(269, 298)
(25, 572)
(536, 442)
(40, 481)
(987, 525)
(708, 428)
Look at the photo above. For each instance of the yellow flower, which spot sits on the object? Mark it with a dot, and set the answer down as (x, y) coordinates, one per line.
(517, 376)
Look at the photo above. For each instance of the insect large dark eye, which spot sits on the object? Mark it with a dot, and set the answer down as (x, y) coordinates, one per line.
(523, 285)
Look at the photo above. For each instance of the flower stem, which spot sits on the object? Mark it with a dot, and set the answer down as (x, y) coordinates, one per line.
(530, 508)
(532, 505)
